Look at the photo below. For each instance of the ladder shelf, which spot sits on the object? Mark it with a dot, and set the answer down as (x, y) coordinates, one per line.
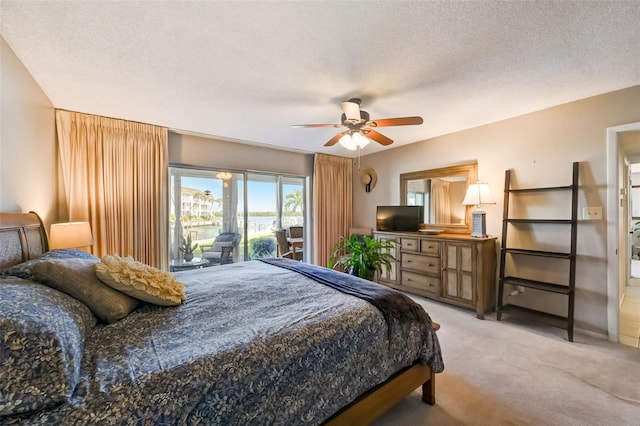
(565, 289)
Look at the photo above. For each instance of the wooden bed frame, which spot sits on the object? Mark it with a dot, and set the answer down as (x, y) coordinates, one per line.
(23, 237)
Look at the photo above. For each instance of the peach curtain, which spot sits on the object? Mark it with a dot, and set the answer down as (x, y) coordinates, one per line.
(440, 197)
(115, 176)
(332, 203)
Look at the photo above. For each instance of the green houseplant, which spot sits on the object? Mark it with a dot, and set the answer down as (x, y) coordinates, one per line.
(187, 248)
(361, 255)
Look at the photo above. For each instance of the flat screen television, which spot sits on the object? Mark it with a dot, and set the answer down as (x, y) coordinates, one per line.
(399, 218)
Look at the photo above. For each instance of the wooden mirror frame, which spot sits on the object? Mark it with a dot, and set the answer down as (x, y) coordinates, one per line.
(468, 169)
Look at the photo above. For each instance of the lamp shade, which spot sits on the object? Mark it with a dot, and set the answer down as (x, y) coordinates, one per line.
(478, 193)
(70, 235)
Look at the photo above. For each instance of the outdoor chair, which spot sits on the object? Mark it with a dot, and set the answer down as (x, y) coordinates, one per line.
(296, 231)
(284, 250)
(221, 251)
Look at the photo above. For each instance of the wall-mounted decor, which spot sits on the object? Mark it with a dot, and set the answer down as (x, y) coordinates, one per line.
(441, 192)
(369, 179)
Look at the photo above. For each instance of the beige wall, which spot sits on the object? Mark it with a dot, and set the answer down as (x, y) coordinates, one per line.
(208, 152)
(27, 142)
(540, 148)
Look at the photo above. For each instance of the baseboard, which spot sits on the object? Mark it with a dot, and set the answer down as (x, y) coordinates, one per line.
(590, 333)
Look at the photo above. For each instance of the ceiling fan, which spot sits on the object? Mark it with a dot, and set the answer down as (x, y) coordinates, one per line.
(360, 128)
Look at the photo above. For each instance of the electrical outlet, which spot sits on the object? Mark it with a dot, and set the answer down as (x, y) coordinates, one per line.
(592, 213)
(517, 290)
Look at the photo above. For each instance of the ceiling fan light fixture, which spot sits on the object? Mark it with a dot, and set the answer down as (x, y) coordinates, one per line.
(353, 141)
(347, 142)
(360, 140)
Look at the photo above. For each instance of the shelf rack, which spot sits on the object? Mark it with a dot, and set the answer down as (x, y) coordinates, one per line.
(566, 289)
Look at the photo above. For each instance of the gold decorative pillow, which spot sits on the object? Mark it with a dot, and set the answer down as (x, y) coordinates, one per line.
(141, 281)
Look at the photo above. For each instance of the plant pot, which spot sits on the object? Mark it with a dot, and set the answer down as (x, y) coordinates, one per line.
(369, 276)
(188, 257)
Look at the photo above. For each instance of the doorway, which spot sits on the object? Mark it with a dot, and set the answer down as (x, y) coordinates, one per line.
(634, 219)
(630, 307)
(623, 148)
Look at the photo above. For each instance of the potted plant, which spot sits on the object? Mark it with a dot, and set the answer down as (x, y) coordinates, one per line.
(187, 248)
(361, 255)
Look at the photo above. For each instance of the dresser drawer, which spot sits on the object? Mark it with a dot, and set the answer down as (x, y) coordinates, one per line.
(430, 247)
(421, 282)
(428, 264)
(409, 244)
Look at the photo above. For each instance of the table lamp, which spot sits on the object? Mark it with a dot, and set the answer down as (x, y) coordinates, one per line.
(70, 235)
(478, 194)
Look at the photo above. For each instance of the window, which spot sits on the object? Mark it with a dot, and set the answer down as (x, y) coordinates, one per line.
(206, 203)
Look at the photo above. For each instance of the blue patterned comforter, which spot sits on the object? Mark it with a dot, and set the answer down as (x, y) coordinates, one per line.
(253, 344)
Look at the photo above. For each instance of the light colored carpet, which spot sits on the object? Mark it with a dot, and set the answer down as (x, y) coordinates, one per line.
(511, 373)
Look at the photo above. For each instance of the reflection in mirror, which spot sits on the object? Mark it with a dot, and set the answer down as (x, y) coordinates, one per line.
(442, 198)
(441, 192)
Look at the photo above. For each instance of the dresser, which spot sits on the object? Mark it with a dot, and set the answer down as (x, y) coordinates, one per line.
(452, 268)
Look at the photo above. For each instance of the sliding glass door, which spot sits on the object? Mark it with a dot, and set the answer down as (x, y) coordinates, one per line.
(207, 208)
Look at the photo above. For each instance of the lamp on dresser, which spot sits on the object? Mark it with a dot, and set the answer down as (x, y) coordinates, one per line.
(477, 194)
(70, 235)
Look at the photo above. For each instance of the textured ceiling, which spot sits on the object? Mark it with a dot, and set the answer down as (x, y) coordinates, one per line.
(246, 71)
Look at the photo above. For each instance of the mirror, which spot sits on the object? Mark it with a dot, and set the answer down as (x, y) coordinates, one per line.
(441, 192)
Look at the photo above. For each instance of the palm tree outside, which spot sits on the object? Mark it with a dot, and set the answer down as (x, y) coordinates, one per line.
(293, 212)
(294, 201)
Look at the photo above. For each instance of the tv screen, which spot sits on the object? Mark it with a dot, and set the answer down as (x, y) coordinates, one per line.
(398, 218)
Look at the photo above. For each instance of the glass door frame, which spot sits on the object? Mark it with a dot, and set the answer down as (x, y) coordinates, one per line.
(280, 179)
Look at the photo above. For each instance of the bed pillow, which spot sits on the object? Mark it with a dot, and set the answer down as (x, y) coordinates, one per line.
(141, 281)
(77, 278)
(23, 270)
(42, 334)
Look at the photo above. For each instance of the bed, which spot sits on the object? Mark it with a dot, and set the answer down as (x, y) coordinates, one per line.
(259, 342)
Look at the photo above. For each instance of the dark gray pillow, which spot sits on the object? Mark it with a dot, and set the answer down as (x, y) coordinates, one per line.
(23, 270)
(42, 335)
(77, 278)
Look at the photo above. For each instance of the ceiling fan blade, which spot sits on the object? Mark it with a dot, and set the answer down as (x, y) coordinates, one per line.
(378, 137)
(400, 121)
(335, 139)
(351, 110)
(335, 126)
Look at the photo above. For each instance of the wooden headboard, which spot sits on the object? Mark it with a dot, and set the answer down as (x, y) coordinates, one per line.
(22, 237)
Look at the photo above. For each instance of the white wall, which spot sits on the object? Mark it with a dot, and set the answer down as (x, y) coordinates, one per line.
(28, 159)
(540, 148)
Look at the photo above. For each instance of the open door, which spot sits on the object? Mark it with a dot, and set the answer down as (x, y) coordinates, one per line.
(634, 220)
(622, 142)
